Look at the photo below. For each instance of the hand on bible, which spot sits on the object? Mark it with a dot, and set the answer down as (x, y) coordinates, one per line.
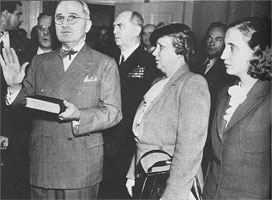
(71, 112)
(13, 72)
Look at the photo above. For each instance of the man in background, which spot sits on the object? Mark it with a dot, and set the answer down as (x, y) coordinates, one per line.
(44, 37)
(105, 43)
(209, 64)
(43, 34)
(15, 125)
(147, 30)
(137, 70)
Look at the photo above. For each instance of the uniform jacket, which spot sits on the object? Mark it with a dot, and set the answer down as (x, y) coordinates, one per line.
(241, 167)
(177, 122)
(137, 73)
(59, 158)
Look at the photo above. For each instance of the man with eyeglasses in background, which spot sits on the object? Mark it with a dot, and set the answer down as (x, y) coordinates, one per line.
(15, 124)
(43, 35)
(209, 64)
(66, 152)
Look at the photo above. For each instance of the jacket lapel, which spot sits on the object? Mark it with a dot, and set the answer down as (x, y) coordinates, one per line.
(172, 82)
(76, 72)
(131, 62)
(223, 105)
(252, 101)
(53, 67)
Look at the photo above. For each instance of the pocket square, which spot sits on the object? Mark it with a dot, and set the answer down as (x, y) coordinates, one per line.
(89, 78)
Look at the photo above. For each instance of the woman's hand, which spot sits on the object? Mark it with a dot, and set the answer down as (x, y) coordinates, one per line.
(13, 72)
(130, 183)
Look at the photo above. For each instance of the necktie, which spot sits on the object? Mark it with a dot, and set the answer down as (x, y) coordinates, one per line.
(64, 53)
(122, 60)
(1, 47)
(207, 62)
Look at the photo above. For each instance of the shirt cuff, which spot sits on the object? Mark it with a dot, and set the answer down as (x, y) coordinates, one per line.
(75, 126)
(12, 96)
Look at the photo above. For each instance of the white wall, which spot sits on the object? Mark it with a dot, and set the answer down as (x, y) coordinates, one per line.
(31, 10)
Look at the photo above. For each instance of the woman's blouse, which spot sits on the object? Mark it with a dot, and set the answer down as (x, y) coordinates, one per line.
(151, 94)
(237, 96)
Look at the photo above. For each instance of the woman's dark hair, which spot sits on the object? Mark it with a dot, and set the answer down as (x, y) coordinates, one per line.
(257, 31)
(185, 44)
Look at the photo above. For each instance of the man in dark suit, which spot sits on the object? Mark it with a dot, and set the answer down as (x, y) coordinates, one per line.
(42, 42)
(137, 70)
(43, 35)
(14, 123)
(66, 151)
(209, 64)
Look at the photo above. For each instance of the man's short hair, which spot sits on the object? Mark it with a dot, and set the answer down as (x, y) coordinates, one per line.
(44, 14)
(9, 6)
(84, 5)
(137, 19)
(218, 24)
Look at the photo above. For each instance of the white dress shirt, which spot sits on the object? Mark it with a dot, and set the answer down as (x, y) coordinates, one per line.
(41, 51)
(211, 63)
(128, 52)
(66, 60)
(5, 39)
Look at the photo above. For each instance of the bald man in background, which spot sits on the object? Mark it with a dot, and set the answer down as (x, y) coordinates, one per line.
(147, 30)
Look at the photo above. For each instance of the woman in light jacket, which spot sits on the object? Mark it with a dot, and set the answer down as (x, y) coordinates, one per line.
(241, 131)
(174, 113)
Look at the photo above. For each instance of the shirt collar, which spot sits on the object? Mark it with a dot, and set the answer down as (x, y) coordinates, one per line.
(212, 61)
(76, 47)
(41, 51)
(5, 39)
(129, 51)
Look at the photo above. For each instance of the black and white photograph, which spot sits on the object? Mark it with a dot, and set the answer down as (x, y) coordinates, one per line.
(135, 99)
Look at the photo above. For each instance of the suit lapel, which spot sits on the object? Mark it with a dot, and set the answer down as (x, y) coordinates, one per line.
(215, 69)
(223, 105)
(76, 72)
(172, 82)
(130, 62)
(252, 101)
(53, 67)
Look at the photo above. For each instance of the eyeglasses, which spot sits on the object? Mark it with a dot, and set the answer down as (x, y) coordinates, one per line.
(72, 19)
(215, 40)
(43, 28)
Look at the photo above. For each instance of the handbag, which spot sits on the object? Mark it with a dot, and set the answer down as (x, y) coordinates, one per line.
(151, 184)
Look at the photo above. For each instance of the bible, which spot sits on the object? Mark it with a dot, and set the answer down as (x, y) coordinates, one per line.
(44, 103)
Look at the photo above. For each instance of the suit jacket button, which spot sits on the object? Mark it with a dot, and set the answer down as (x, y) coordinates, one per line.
(42, 90)
(78, 93)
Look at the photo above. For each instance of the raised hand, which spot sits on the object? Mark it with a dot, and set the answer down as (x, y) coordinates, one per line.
(13, 72)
